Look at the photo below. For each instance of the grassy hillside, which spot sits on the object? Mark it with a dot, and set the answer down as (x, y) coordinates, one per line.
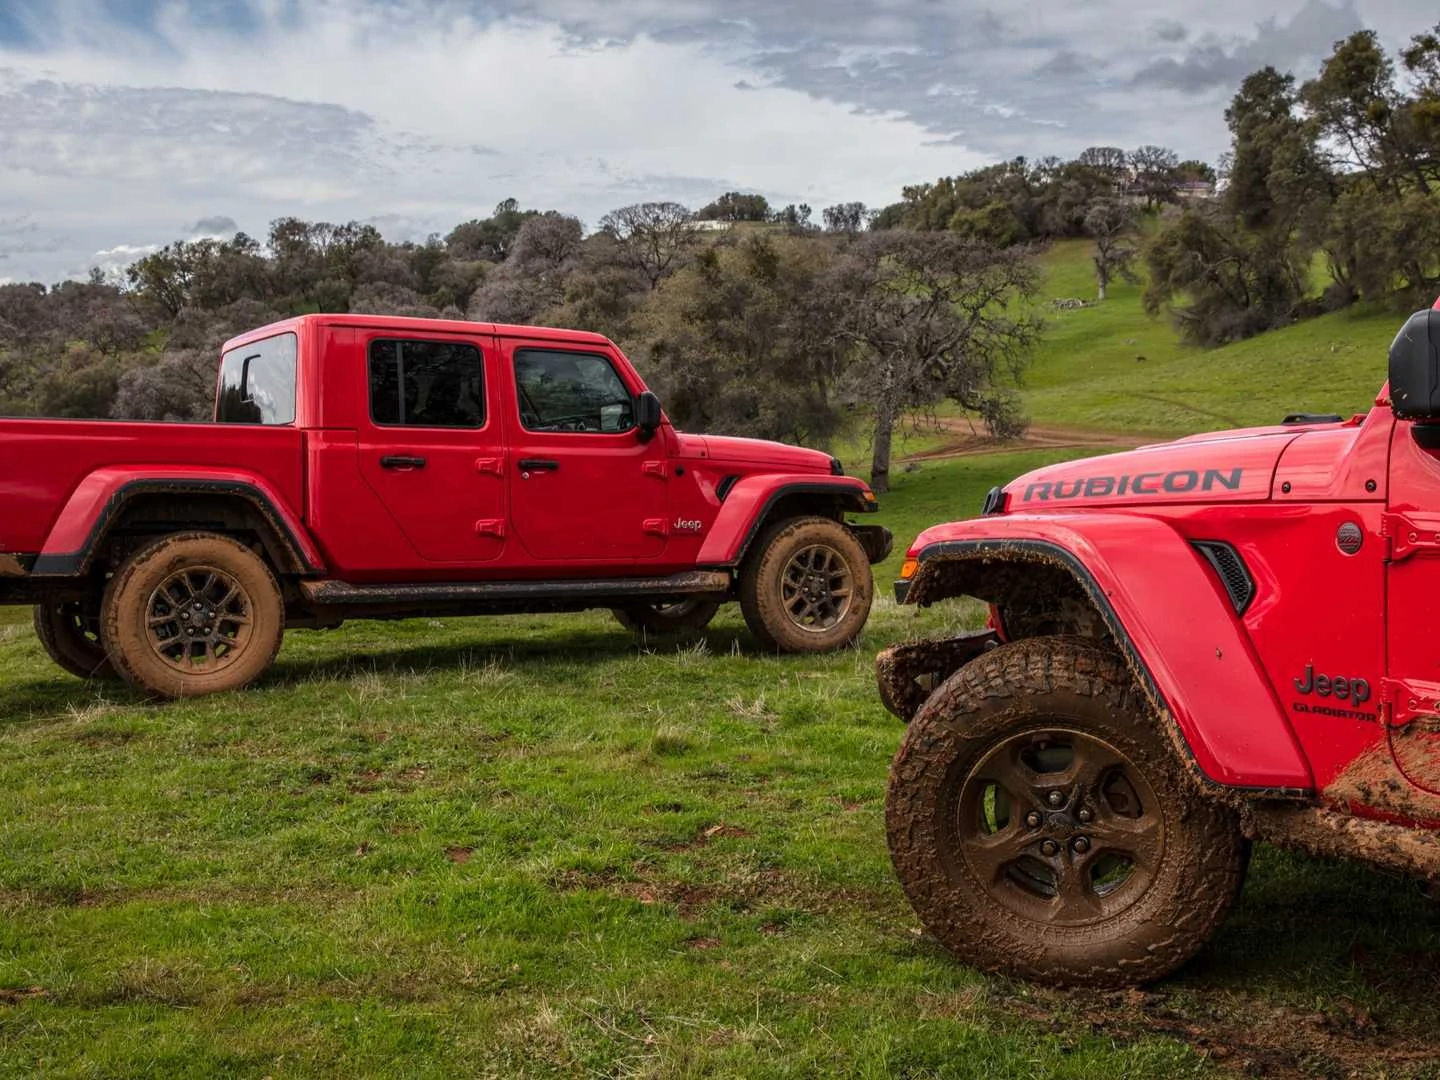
(1112, 367)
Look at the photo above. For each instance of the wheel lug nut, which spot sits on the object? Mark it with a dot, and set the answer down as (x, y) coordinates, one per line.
(1055, 798)
(1086, 815)
(1050, 847)
(1080, 845)
(1033, 819)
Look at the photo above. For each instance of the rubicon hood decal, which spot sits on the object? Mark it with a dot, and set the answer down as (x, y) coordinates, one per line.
(1220, 471)
(1175, 482)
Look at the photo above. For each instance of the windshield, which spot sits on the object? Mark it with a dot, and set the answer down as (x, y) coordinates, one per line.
(257, 383)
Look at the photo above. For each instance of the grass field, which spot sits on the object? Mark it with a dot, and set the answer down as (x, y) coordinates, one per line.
(533, 847)
(1112, 367)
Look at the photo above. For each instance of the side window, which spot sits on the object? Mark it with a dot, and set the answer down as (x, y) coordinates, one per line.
(257, 383)
(571, 391)
(426, 384)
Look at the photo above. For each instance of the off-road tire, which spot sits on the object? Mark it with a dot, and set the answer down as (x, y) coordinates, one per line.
(659, 620)
(770, 595)
(144, 627)
(70, 635)
(1016, 712)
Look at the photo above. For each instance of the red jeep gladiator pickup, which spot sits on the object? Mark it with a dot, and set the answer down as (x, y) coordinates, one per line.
(370, 467)
(1191, 645)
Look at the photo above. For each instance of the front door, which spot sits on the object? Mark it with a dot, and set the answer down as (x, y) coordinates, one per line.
(1412, 524)
(431, 445)
(585, 490)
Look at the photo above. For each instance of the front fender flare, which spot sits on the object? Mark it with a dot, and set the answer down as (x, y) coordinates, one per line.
(73, 540)
(1181, 638)
(748, 503)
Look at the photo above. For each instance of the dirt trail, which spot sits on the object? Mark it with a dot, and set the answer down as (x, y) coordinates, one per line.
(966, 439)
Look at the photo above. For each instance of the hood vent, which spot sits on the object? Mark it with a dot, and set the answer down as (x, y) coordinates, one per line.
(1231, 570)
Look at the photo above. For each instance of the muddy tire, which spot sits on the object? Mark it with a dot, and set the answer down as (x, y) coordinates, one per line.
(194, 613)
(655, 620)
(1042, 826)
(807, 586)
(70, 635)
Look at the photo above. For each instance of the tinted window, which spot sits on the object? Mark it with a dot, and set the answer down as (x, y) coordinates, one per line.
(426, 384)
(570, 391)
(257, 382)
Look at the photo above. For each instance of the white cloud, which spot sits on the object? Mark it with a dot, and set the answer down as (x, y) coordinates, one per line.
(418, 114)
(430, 120)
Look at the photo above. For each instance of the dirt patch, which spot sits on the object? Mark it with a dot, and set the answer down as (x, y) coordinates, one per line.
(459, 854)
(705, 835)
(740, 892)
(1239, 1032)
(16, 994)
(965, 439)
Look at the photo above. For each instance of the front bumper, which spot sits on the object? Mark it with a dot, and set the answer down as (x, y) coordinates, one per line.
(907, 673)
(875, 539)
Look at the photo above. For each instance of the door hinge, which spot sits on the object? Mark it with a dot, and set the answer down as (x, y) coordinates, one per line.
(1404, 700)
(658, 469)
(656, 527)
(493, 465)
(490, 527)
(1405, 536)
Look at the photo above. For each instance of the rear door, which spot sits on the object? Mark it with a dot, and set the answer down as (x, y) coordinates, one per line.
(584, 489)
(431, 445)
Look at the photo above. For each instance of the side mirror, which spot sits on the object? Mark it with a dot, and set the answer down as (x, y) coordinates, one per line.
(647, 416)
(1415, 368)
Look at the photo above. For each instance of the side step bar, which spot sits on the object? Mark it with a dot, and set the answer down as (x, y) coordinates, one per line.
(325, 593)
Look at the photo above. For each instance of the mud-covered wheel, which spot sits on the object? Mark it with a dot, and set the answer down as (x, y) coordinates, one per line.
(193, 613)
(688, 616)
(807, 587)
(70, 634)
(1042, 826)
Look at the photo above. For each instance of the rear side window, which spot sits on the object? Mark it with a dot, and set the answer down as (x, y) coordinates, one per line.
(257, 383)
(426, 384)
(571, 391)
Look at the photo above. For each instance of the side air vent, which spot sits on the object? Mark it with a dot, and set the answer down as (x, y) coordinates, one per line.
(723, 488)
(1230, 569)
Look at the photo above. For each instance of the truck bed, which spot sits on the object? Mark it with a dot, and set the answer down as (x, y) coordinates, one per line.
(42, 463)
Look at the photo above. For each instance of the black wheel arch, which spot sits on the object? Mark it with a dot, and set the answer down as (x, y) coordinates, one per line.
(143, 509)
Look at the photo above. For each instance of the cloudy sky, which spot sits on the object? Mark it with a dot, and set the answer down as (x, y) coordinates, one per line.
(125, 124)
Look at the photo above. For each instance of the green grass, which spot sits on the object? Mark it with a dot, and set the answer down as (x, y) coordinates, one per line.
(526, 846)
(530, 847)
(1112, 367)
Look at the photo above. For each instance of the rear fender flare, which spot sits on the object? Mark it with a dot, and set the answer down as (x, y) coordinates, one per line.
(750, 505)
(1169, 617)
(96, 504)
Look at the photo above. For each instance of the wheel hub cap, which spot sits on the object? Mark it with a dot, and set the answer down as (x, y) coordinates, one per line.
(816, 587)
(199, 620)
(1059, 827)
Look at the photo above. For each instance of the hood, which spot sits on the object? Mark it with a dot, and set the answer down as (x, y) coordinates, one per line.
(1229, 466)
(736, 451)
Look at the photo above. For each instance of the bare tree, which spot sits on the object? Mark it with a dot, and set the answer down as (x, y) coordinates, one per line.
(849, 217)
(1112, 225)
(652, 238)
(1109, 162)
(532, 279)
(930, 316)
(1157, 174)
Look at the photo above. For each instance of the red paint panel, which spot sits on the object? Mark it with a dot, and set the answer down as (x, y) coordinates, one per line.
(74, 465)
(1183, 630)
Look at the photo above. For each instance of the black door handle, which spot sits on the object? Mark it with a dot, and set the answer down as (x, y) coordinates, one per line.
(535, 464)
(400, 461)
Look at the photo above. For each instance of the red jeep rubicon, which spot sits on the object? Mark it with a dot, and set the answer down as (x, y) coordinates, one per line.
(368, 467)
(1191, 645)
